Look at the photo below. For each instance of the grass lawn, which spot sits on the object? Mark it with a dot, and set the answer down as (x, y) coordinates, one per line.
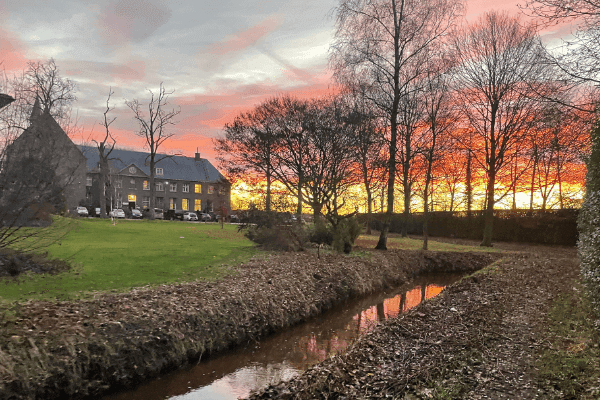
(396, 242)
(131, 254)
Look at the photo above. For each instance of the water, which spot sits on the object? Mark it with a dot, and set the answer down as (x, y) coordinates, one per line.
(282, 356)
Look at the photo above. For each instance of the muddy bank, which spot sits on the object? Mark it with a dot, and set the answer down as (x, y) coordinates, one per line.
(478, 340)
(78, 349)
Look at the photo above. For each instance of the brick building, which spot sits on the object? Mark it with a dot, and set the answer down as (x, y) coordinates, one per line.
(182, 183)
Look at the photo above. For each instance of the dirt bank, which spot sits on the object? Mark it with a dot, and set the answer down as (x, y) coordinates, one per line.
(78, 349)
(477, 340)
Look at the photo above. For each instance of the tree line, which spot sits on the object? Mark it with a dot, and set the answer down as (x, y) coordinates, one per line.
(423, 108)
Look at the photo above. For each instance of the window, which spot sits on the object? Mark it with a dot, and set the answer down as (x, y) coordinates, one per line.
(159, 187)
(197, 205)
(172, 202)
(211, 189)
(209, 206)
(185, 188)
(173, 187)
(88, 181)
(159, 171)
(197, 188)
(119, 203)
(222, 190)
(131, 197)
(132, 183)
(185, 204)
(146, 202)
(146, 185)
(119, 184)
(160, 202)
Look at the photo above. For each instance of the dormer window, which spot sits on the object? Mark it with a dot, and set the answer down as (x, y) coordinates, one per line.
(159, 171)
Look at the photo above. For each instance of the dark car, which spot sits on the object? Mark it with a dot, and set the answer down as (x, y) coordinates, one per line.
(136, 214)
(174, 214)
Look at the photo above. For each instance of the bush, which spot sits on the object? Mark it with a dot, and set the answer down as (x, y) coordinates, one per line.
(321, 232)
(273, 231)
(589, 224)
(345, 234)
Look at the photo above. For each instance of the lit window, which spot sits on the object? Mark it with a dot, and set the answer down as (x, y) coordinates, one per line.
(197, 205)
(159, 187)
(159, 171)
(185, 188)
(173, 187)
(146, 185)
(185, 204)
(131, 197)
(88, 181)
(211, 189)
(172, 203)
(197, 188)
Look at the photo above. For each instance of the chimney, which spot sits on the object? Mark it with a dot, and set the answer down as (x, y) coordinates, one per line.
(197, 155)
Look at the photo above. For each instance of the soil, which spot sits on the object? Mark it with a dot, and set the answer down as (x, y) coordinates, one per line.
(477, 340)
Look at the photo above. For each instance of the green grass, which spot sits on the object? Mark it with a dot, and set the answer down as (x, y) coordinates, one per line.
(132, 254)
(370, 241)
(571, 364)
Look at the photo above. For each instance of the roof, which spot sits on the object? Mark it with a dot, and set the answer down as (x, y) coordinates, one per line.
(174, 167)
(5, 100)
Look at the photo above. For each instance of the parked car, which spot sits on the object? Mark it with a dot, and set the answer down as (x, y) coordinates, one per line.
(204, 217)
(233, 218)
(173, 215)
(97, 212)
(190, 216)
(136, 214)
(117, 213)
(82, 211)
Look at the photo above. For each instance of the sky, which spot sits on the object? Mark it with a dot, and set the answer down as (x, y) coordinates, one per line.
(219, 57)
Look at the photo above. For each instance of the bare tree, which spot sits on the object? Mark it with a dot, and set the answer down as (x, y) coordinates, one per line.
(249, 145)
(379, 43)
(579, 59)
(105, 147)
(499, 61)
(153, 126)
(440, 120)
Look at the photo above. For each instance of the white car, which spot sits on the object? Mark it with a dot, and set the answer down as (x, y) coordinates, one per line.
(190, 216)
(117, 213)
(82, 211)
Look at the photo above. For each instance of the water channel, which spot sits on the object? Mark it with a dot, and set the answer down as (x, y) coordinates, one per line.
(236, 373)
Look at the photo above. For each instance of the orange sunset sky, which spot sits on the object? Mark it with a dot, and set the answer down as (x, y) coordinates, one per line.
(220, 57)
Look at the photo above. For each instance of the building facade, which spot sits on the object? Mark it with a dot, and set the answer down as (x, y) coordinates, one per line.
(181, 183)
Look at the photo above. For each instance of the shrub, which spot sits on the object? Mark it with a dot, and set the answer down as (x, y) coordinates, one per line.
(345, 234)
(321, 232)
(589, 224)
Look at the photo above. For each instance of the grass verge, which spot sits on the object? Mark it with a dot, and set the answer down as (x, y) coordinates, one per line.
(131, 254)
(394, 242)
(570, 366)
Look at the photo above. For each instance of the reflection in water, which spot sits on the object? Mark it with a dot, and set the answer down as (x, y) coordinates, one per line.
(282, 356)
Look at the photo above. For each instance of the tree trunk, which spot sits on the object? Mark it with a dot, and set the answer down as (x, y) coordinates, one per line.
(268, 198)
(469, 186)
(489, 212)
(369, 208)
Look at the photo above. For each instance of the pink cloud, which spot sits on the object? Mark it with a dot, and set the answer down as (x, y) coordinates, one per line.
(133, 70)
(246, 38)
(12, 52)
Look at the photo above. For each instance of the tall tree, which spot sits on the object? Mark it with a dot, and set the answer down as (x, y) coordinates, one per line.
(440, 119)
(579, 58)
(153, 127)
(249, 145)
(499, 60)
(105, 147)
(379, 43)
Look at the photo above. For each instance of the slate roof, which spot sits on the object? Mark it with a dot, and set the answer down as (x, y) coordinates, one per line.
(174, 167)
